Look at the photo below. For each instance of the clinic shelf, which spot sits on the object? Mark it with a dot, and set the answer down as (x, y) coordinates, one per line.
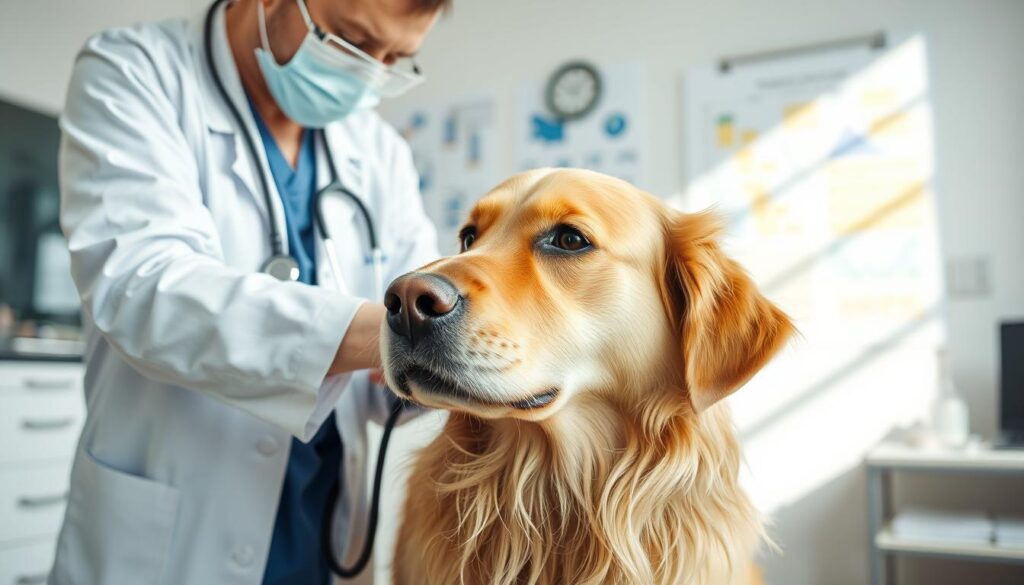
(885, 540)
(888, 458)
(981, 460)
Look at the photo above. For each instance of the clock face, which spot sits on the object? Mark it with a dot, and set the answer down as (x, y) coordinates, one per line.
(573, 90)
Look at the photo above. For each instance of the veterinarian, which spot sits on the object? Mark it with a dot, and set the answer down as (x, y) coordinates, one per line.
(226, 371)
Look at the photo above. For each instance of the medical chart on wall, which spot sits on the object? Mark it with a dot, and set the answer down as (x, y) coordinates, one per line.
(609, 139)
(822, 164)
(454, 148)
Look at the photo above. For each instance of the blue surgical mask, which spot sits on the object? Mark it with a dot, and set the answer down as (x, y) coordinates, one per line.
(319, 84)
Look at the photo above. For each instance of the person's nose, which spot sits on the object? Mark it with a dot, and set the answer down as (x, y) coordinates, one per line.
(417, 303)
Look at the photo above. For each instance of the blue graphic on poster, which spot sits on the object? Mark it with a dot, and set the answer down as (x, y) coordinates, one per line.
(548, 129)
(615, 124)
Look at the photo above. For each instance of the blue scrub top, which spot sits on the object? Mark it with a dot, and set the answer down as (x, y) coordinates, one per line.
(295, 553)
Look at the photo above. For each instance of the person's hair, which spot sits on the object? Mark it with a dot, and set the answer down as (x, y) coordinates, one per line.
(433, 5)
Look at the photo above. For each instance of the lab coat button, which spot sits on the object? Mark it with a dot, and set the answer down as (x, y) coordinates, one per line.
(244, 555)
(267, 445)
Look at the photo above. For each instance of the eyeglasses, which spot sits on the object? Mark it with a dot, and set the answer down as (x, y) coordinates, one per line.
(389, 80)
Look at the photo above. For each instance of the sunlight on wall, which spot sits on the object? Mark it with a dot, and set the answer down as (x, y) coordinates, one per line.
(823, 166)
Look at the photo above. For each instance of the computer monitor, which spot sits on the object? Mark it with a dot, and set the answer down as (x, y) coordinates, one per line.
(35, 279)
(1011, 383)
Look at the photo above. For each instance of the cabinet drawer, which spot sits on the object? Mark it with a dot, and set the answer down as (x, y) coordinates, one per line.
(32, 500)
(27, 564)
(40, 376)
(39, 425)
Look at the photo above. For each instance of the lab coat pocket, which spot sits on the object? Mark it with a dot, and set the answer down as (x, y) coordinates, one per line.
(133, 517)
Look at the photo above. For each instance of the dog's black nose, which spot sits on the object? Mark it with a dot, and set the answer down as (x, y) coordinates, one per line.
(416, 302)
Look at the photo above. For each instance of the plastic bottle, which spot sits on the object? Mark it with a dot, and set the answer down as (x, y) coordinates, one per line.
(951, 420)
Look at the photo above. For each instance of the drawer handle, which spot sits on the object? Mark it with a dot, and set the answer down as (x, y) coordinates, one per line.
(31, 502)
(47, 424)
(49, 383)
(36, 579)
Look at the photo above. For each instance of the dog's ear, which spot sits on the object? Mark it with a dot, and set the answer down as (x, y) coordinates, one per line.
(727, 329)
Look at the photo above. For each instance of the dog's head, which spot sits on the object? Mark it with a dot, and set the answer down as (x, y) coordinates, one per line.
(573, 285)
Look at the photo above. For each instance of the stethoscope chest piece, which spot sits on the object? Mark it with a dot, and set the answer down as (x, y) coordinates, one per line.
(282, 267)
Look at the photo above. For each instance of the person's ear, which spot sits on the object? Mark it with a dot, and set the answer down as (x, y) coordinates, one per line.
(728, 330)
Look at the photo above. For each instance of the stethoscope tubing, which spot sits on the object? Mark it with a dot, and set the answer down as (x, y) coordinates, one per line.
(276, 241)
(376, 256)
(276, 245)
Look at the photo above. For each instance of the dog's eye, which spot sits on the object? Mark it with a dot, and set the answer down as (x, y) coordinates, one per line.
(468, 236)
(569, 239)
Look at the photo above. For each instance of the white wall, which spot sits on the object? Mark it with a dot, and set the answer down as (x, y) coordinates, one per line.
(39, 40)
(977, 94)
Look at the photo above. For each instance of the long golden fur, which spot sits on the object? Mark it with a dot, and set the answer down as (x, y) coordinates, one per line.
(630, 474)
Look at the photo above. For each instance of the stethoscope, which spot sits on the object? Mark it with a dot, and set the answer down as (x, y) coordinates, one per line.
(285, 267)
(280, 265)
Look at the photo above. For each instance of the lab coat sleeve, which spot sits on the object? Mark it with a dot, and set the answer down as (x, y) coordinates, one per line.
(148, 262)
(415, 245)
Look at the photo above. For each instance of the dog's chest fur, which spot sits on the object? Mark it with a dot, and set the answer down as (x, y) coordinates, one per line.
(504, 504)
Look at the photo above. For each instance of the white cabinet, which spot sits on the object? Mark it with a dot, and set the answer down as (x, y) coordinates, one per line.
(41, 414)
(36, 424)
(27, 564)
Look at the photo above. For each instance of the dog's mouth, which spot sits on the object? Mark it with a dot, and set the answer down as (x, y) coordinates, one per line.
(433, 382)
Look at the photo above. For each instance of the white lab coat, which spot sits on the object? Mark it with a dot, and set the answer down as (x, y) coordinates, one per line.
(199, 368)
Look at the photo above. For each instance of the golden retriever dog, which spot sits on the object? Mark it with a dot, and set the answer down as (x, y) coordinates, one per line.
(582, 341)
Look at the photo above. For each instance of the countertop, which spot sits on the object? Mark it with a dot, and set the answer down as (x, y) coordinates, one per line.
(32, 350)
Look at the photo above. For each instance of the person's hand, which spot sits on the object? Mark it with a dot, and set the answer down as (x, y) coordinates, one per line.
(360, 348)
